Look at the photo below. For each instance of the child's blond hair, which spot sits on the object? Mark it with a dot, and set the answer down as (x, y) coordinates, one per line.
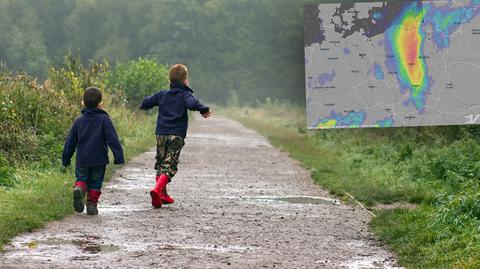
(178, 73)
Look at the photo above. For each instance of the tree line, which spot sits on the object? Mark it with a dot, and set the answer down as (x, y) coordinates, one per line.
(249, 48)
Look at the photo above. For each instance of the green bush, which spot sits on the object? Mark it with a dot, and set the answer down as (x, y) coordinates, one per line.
(35, 118)
(31, 115)
(138, 79)
(71, 77)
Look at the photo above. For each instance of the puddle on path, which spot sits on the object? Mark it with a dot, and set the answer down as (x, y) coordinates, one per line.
(127, 187)
(135, 176)
(133, 169)
(231, 140)
(122, 208)
(302, 200)
(85, 245)
(370, 263)
(310, 200)
(213, 248)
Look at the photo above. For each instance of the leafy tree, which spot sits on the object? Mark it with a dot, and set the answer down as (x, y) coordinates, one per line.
(25, 48)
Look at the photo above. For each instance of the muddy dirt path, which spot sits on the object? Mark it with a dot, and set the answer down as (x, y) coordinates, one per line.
(240, 203)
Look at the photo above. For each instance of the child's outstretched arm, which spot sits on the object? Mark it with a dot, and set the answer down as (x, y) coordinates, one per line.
(112, 141)
(149, 102)
(194, 104)
(70, 145)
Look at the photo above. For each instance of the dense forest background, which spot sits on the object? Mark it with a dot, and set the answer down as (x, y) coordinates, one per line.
(249, 48)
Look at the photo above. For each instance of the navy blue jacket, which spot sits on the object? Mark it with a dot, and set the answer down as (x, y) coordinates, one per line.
(91, 135)
(172, 109)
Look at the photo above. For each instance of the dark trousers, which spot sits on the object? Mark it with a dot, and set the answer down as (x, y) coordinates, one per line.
(93, 176)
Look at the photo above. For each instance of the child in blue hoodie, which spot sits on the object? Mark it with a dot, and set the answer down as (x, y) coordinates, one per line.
(172, 124)
(91, 135)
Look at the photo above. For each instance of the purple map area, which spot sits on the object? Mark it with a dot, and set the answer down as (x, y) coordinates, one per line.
(326, 77)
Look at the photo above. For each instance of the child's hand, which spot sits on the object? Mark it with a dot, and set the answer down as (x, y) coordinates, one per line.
(63, 169)
(207, 114)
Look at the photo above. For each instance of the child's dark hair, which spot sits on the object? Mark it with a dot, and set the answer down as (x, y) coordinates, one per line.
(92, 97)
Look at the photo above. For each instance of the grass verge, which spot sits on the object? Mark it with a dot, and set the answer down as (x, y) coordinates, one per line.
(436, 168)
(43, 190)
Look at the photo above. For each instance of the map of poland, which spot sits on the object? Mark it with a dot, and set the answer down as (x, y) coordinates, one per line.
(393, 63)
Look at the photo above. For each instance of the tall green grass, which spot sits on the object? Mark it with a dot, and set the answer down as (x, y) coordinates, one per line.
(437, 168)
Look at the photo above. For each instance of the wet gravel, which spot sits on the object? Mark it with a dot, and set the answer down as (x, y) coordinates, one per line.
(240, 203)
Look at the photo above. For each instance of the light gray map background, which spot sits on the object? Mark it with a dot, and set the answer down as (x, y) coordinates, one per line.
(454, 98)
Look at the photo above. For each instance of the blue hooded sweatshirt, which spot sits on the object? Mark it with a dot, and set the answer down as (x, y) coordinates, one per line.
(172, 109)
(91, 135)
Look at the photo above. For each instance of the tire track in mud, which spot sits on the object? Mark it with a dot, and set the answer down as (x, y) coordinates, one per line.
(240, 203)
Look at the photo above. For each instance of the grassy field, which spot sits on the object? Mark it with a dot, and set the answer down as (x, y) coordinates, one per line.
(435, 168)
(43, 192)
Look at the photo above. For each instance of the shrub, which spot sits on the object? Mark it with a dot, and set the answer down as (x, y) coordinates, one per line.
(138, 79)
(72, 77)
(30, 113)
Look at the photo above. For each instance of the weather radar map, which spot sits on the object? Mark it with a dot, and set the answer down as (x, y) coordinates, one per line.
(392, 63)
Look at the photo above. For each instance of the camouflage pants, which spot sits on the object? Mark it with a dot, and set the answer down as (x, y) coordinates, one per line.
(168, 152)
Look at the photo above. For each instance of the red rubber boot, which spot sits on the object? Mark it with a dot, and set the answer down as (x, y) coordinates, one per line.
(156, 192)
(92, 201)
(78, 195)
(166, 199)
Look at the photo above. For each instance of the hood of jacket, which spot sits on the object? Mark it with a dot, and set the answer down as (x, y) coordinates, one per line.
(176, 85)
(93, 112)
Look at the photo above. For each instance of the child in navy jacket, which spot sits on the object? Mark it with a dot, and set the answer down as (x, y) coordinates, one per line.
(91, 135)
(172, 124)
